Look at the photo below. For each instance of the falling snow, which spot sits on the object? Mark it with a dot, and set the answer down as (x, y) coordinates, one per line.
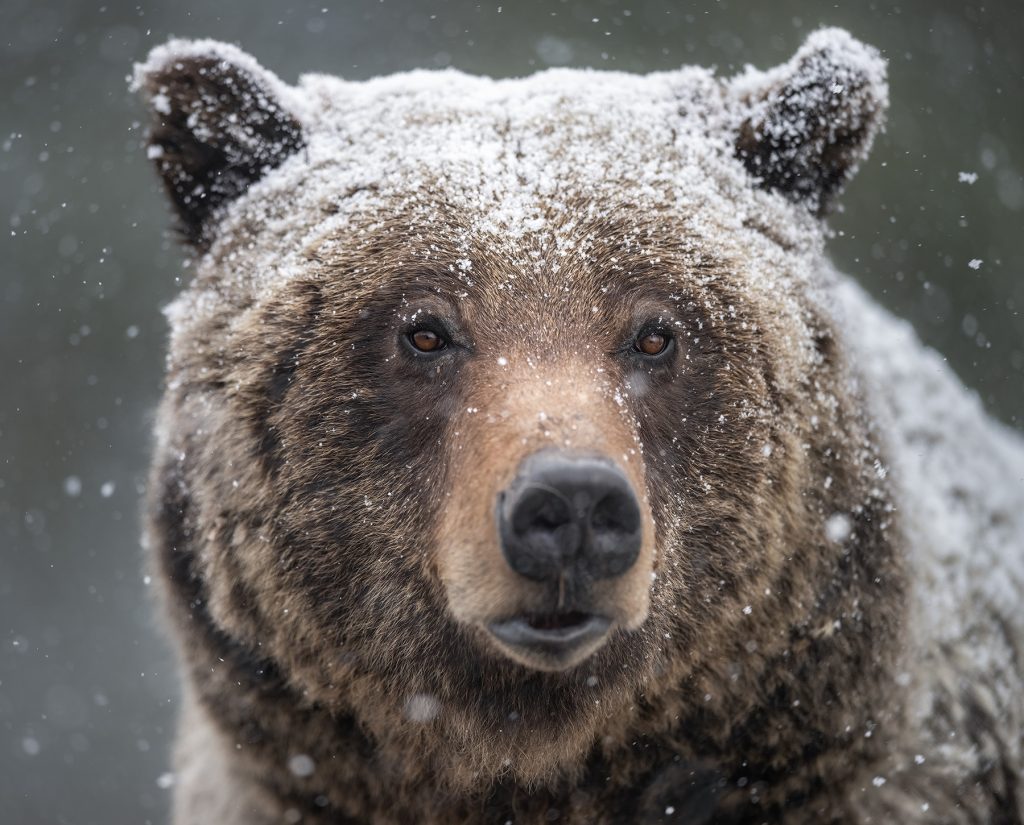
(837, 528)
(422, 708)
(301, 765)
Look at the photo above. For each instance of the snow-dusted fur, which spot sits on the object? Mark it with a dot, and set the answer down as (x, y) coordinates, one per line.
(959, 483)
(835, 632)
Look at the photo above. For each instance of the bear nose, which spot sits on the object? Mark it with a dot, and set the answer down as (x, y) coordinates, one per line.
(566, 512)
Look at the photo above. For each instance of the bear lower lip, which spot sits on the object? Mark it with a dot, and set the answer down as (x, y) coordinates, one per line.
(554, 639)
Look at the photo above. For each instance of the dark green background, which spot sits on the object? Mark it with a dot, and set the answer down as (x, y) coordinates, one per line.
(87, 693)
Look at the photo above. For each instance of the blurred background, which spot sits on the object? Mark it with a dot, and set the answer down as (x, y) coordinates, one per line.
(933, 226)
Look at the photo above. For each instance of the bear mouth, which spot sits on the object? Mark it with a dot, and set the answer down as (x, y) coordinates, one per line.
(551, 641)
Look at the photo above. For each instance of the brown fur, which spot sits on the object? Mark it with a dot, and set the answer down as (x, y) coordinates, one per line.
(359, 486)
(321, 512)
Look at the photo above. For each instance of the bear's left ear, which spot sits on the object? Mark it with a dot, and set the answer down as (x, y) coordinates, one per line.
(220, 122)
(806, 125)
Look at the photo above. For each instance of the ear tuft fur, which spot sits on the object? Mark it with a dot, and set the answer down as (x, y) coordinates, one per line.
(807, 124)
(219, 124)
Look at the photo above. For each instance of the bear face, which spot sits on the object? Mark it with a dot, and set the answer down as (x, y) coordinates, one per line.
(504, 417)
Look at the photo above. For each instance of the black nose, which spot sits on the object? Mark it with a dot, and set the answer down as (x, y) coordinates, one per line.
(566, 512)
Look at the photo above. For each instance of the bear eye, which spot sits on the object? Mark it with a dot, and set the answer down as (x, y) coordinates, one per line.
(426, 340)
(652, 343)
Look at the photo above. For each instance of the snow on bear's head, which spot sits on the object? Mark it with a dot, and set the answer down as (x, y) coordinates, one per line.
(517, 153)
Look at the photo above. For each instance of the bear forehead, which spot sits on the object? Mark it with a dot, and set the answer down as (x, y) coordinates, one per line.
(448, 114)
(510, 153)
(511, 165)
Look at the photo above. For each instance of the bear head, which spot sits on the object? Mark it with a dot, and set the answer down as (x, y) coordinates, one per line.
(511, 410)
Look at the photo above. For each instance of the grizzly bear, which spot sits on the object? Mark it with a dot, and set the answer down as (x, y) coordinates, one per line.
(523, 459)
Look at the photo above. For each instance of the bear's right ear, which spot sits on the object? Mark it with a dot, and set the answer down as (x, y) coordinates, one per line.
(806, 125)
(219, 123)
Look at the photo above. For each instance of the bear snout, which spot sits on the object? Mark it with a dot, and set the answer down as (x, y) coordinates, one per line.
(545, 543)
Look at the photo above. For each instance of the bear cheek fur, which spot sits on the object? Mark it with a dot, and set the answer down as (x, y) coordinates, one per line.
(532, 402)
(720, 502)
(290, 448)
